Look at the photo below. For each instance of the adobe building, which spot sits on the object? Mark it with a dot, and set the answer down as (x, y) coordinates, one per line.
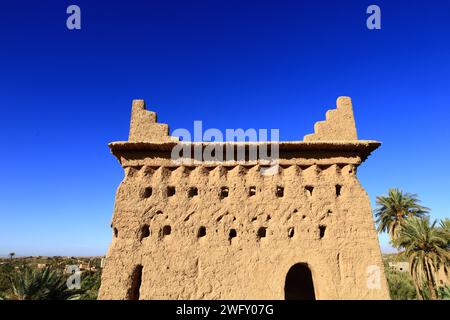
(223, 230)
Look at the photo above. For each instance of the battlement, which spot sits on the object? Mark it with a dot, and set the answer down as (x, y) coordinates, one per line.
(333, 141)
(144, 126)
(338, 126)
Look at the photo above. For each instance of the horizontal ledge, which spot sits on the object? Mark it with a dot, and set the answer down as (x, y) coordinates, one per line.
(296, 149)
(363, 145)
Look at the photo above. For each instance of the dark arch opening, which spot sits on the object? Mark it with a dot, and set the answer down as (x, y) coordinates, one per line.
(299, 284)
(136, 279)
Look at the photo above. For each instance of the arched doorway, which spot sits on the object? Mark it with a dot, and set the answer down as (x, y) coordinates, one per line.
(299, 283)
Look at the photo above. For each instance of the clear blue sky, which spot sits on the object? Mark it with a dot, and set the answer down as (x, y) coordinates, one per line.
(232, 64)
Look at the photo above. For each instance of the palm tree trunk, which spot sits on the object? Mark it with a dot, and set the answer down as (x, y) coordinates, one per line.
(430, 282)
(433, 269)
(418, 291)
(416, 279)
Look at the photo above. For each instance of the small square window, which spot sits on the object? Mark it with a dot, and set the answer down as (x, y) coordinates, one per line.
(338, 190)
(262, 231)
(280, 192)
(201, 232)
(193, 191)
(145, 231)
(170, 191)
(147, 192)
(223, 192)
(322, 229)
(166, 230)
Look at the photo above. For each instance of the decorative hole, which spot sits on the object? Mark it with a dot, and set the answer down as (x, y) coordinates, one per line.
(322, 229)
(193, 191)
(201, 232)
(338, 190)
(280, 192)
(166, 230)
(170, 191)
(145, 231)
(309, 190)
(147, 192)
(251, 191)
(262, 231)
(291, 232)
(224, 192)
(232, 234)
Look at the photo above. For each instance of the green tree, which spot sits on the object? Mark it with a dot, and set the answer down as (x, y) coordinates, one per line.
(41, 284)
(445, 227)
(5, 271)
(401, 285)
(426, 249)
(393, 209)
(90, 283)
(444, 293)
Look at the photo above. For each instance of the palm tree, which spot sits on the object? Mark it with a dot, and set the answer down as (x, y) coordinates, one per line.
(392, 210)
(445, 226)
(426, 249)
(444, 293)
(39, 285)
(445, 229)
(11, 255)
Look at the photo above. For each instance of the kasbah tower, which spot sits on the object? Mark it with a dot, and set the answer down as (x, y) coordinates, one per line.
(224, 230)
